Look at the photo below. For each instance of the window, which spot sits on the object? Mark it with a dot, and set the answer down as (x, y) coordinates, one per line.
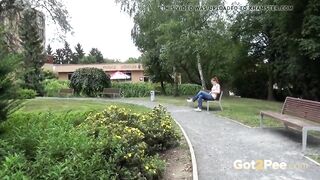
(69, 76)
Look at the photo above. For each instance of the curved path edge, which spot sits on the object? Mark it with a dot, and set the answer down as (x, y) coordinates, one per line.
(193, 156)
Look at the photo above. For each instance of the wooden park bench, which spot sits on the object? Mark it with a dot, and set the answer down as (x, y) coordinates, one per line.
(297, 114)
(114, 92)
(66, 92)
(212, 101)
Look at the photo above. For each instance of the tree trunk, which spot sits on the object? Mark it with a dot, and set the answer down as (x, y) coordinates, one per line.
(203, 83)
(270, 86)
(163, 88)
(176, 86)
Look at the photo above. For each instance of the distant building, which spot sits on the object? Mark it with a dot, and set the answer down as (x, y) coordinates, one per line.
(65, 71)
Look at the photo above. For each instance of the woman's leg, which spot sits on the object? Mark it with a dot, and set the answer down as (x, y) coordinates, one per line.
(204, 96)
(196, 97)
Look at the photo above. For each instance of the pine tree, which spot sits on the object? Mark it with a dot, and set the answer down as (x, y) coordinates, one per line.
(49, 50)
(8, 62)
(33, 52)
(79, 54)
(58, 57)
(97, 55)
(68, 54)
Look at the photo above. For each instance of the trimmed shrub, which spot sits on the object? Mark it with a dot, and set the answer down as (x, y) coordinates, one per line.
(143, 89)
(26, 94)
(89, 81)
(113, 144)
(134, 89)
(53, 86)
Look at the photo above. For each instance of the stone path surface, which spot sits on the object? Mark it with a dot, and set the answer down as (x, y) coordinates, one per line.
(219, 142)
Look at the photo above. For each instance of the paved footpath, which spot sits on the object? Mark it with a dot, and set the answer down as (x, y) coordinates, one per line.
(219, 142)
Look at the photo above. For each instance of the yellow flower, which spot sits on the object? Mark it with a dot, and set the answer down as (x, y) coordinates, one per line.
(146, 167)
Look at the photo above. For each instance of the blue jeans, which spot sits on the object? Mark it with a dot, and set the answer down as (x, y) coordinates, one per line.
(202, 95)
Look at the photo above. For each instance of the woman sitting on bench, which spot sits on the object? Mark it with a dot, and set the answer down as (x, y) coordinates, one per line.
(203, 95)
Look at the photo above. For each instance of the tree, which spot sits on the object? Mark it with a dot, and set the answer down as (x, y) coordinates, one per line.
(188, 40)
(33, 53)
(132, 60)
(94, 52)
(49, 50)
(79, 54)
(54, 9)
(58, 57)
(67, 53)
(8, 63)
(286, 44)
(89, 81)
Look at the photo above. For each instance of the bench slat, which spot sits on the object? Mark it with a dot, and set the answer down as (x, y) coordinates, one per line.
(291, 120)
(302, 108)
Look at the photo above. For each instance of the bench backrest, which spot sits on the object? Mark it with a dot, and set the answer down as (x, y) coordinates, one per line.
(67, 91)
(112, 90)
(301, 108)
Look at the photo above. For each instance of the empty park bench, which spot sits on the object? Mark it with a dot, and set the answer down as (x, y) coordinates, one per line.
(212, 101)
(66, 92)
(298, 114)
(114, 92)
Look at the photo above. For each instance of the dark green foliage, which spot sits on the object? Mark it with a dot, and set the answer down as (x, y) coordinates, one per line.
(26, 94)
(33, 53)
(49, 50)
(49, 75)
(282, 45)
(8, 63)
(134, 89)
(143, 89)
(94, 52)
(78, 55)
(113, 144)
(58, 57)
(89, 81)
(68, 54)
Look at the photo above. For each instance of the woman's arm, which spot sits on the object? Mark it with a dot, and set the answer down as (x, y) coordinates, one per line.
(216, 89)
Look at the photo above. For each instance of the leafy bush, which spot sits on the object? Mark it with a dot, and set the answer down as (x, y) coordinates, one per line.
(89, 81)
(134, 89)
(49, 75)
(143, 89)
(113, 144)
(26, 94)
(184, 89)
(53, 86)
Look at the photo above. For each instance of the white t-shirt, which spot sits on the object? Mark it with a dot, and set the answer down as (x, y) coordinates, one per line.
(215, 90)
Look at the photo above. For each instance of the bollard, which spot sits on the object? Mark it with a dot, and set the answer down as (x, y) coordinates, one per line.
(152, 95)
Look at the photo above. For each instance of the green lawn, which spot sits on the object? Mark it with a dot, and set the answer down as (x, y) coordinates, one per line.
(243, 110)
(65, 105)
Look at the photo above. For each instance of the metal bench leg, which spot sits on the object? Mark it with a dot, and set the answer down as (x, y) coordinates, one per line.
(304, 139)
(208, 104)
(220, 106)
(261, 119)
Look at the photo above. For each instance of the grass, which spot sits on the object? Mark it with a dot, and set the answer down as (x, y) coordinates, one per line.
(244, 110)
(66, 105)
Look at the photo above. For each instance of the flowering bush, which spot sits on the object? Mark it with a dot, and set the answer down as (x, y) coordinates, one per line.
(156, 126)
(113, 144)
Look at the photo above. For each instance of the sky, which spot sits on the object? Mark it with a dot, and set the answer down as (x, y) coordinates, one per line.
(99, 24)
